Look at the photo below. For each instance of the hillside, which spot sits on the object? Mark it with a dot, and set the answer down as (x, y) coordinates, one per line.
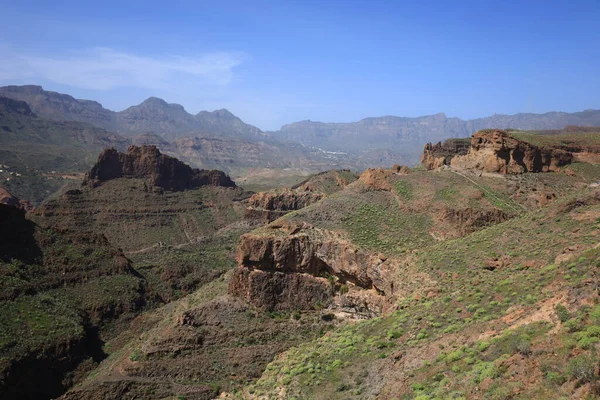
(66, 288)
(308, 145)
(37, 153)
(152, 115)
(445, 284)
(403, 283)
(61, 107)
(60, 291)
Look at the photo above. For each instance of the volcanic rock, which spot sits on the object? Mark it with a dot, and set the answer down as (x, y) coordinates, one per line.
(10, 200)
(437, 155)
(146, 162)
(497, 151)
(275, 269)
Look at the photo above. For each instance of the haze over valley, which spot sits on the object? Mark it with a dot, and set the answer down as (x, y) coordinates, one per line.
(299, 200)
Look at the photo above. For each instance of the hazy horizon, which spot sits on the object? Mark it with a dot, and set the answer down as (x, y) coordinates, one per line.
(274, 64)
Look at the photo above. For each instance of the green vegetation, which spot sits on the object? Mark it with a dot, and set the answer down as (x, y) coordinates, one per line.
(473, 299)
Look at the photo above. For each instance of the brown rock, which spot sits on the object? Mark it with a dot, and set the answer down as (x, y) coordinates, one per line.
(437, 155)
(10, 200)
(376, 179)
(497, 151)
(159, 170)
(297, 254)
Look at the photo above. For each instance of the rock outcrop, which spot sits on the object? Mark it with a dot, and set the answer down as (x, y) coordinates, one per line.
(265, 207)
(497, 151)
(295, 266)
(10, 200)
(14, 106)
(378, 179)
(146, 162)
(437, 155)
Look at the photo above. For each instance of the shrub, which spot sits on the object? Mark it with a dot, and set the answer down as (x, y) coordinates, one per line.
(573, 325)
(344, 289)
(341, 387)
(583, 368)
(556, 378)
(562, 313)
(455, 355)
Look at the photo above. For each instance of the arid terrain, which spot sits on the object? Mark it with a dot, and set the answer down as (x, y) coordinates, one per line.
(473, 275)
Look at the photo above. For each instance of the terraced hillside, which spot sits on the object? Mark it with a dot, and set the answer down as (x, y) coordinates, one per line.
(58, 289)
(178, 239)
(403, 283)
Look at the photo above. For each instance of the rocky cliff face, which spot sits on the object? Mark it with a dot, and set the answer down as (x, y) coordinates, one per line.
(158, 170)
(10, 200)
(437, 155)
(497, 151)
(296, 266)
(265, 207)
(494, 151)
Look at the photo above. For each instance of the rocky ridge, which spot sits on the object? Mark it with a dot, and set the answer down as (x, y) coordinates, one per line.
(158, 170)
(439, 154)
(265, 207)
(495, 151)
(10, 200)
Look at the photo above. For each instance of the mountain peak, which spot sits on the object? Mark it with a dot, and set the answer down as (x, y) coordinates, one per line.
(155, 101)
(223, 112)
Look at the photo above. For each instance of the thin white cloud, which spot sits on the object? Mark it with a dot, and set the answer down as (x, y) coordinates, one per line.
(104, 68)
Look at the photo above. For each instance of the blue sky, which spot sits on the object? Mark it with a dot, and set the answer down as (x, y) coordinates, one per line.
(276, 62)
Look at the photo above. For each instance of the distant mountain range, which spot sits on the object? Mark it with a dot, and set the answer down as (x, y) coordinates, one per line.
(411, 134)
(153, 115)
(400, 137)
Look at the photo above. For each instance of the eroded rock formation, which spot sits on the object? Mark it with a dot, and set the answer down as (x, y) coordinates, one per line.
(265, 207)
(440, 154)
(10, 200)
(497, 151)
(268, 206)
(494, 150)
(146, 162)
(297, 265)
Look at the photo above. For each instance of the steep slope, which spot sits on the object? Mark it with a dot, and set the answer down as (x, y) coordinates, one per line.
(152, 115)
(32, 146)
(61, 107)
(157, 116)
(373, 133)
(264, 207)
(177, 224)
(59, 291)
(224, 123)
(478, 282)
